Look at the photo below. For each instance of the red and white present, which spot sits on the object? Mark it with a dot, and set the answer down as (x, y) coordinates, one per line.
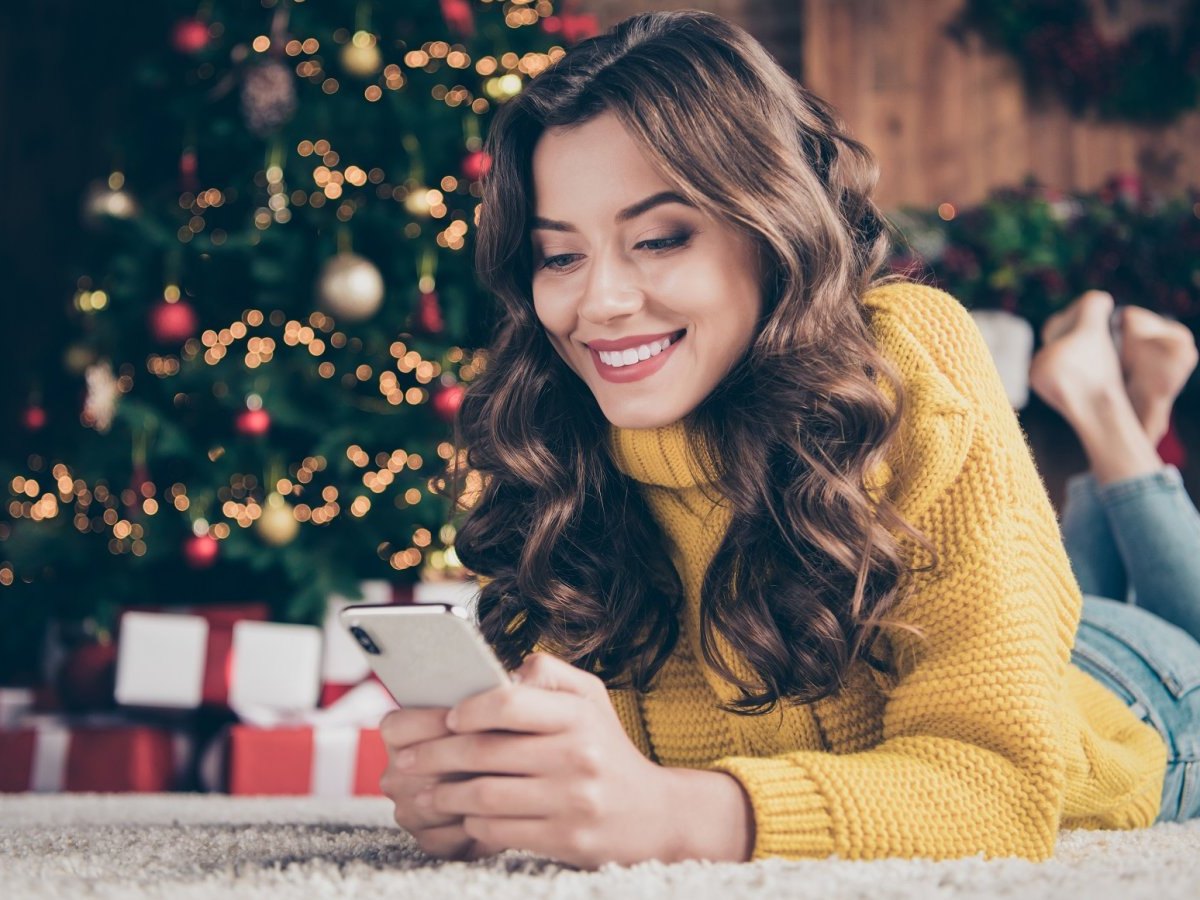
(332, 752)
(50, 753)
(216, 657)
(321, 762)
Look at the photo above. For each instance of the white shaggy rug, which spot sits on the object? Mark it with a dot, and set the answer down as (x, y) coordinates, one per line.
(184, 846)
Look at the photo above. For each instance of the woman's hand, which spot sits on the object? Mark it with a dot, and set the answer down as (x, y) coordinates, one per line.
(554, 773)
(437, 834)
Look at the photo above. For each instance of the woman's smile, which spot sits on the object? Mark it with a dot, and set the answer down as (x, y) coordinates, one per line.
(619, 367)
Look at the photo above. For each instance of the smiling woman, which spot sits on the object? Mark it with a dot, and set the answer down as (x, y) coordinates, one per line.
(758, 528)
(638, 266)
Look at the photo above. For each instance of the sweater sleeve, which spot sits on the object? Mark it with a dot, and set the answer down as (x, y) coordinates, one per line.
(971, 758)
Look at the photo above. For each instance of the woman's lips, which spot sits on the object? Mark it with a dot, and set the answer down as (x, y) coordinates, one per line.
(638, 370)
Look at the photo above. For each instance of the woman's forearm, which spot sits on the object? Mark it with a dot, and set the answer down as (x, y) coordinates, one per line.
(711, 815)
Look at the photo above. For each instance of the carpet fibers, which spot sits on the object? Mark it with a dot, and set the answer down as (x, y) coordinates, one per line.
(186, 846)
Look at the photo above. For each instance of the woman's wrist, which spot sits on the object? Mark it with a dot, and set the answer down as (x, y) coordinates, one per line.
(710, 816)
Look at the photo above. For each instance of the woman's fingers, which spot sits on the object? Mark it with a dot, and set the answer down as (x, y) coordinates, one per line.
(507, 797)
(448, 842)
(403, 791)
(527, 709)
(491, 752)
(402, 727)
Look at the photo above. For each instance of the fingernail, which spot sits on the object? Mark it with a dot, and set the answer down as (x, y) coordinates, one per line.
(405, 758)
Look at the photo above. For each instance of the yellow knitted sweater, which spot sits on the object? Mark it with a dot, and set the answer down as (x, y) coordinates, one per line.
(987, 740)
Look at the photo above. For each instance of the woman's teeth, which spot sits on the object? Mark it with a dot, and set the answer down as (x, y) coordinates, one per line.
(631, 355)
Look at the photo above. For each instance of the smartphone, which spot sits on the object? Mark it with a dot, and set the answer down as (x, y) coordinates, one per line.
(428, 655)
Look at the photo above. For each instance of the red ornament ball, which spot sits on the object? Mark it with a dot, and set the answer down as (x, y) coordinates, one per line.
(253, 422)
(34, 418)
(447, 401)
(200, 551)
(173, 323)
(476, 165)
(189, 36)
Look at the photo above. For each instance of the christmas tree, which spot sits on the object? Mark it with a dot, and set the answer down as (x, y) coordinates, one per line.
(276, 313)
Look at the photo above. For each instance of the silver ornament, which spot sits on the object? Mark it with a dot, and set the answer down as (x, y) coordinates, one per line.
(350, 287)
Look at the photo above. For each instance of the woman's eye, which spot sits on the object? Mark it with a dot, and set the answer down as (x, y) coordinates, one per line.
(553, 262)
(667, 243)
(655, 245)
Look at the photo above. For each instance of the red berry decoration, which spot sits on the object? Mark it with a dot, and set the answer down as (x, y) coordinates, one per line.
(429, 313)
(200, 551)
(34, 418)
(189, 36)
(173, 323)
(447, 401)
(476, 165)
(253, 422)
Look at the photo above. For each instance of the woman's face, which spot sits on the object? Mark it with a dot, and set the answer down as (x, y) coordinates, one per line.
(617, 269)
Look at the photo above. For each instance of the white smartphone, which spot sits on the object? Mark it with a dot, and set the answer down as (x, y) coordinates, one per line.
(427, 655)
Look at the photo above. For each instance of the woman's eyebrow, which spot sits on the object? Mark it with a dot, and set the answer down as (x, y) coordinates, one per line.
(629, 212)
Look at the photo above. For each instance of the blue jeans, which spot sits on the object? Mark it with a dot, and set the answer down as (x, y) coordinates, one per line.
(1134, 546)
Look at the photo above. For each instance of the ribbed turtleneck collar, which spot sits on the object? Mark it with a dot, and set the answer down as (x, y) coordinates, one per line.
(660, 456)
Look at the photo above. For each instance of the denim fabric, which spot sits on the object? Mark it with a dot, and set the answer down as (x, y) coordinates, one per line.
(1134, 545)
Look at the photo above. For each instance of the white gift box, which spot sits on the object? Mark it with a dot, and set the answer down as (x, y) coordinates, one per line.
(343, 661)
(161, 659)
(174, 661)
(15, 702)
(1009, 338)
(275, 666)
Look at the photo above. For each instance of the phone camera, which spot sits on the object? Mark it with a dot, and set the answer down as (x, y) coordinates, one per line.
(364, 640)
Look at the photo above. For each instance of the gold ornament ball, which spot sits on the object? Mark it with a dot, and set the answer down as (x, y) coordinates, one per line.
(417, 201)
(350, 288)
(361, 57)
(277, 525)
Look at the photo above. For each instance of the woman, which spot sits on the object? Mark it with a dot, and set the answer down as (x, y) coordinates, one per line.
(758, 530)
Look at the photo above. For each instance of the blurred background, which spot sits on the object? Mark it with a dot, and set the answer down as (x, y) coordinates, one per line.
(239, 307)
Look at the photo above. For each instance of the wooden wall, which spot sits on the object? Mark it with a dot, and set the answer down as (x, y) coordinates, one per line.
(947, 122)
(951, 122)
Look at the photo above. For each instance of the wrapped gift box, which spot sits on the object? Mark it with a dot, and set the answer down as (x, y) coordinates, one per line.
(333, 752)
(181, 661)
(57, 753)
(336, 761)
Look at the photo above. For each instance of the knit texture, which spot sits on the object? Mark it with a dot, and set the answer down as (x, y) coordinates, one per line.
(987, 739)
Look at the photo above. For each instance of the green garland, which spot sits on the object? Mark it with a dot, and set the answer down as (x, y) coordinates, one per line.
(1150, 77)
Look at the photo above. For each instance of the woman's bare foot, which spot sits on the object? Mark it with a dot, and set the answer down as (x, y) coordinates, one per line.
(1157, 355)
(1078, 365)
(1078, 373)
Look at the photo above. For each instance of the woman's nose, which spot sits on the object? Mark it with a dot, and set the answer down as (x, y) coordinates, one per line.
(611, 289)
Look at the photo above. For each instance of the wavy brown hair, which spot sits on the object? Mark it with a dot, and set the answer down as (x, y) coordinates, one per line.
(809, 568)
